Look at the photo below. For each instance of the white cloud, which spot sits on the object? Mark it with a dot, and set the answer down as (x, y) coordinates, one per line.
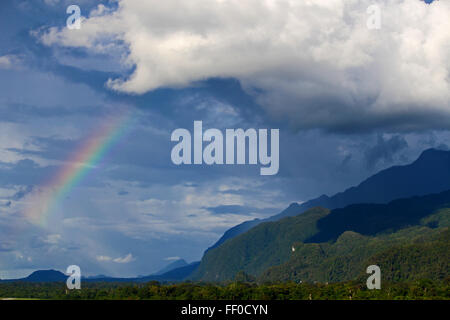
(51, 2)
(5, 62)
(127, 259)
(9, 62)
(52, 239)
(172, 258)
(315, 62)
(103, 258)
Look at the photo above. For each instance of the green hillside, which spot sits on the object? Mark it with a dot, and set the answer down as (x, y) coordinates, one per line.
(411, 254)
(416, 247)
(266, 245)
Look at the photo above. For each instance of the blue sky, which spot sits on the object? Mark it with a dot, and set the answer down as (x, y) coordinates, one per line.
(348, 102)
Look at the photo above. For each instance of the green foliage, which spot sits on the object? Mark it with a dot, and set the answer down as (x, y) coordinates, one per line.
(438, 220)
(241, 276)
(263, 246)
(419, 249)
(413, 253)
(419, 289)
(421, 259)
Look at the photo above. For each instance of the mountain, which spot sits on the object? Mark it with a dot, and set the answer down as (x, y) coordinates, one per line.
(409, 254)
(45, 276)
(371, 219)
(292, 210)
(173, 275)
(327, 241)
(261, 247)
(177, 274)
(174, 265)
(430, 173)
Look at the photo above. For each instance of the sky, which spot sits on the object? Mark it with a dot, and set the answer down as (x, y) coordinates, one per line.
(86, 117)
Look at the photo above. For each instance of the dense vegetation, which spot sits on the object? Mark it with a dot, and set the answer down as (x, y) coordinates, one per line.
(429, 174)
(265, 245)
(411, 254)
(408, 238)
(419, 289)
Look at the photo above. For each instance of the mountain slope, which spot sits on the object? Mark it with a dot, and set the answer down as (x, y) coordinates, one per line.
(177, 274)
(171, 266)
(410, 254)
(263, 246)
(370, 219)
(42, 276)
(432, 169)
(46, 276)
(333, 242)
(173, 275)
(293, 210)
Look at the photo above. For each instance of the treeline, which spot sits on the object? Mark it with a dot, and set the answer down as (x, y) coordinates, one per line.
(414, 290)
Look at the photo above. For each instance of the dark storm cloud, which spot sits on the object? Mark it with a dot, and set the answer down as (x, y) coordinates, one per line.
(348, 82)
(385, 149)
(338, 114)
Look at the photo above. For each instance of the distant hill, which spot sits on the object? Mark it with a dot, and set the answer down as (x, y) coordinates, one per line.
(177, 274)
(327, 241)
(430, 173)
(173, 265)
(174, 275)
(45, 276)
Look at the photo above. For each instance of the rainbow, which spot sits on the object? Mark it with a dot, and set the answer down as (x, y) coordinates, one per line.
(86, 157)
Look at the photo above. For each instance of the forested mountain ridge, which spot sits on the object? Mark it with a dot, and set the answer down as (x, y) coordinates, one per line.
(263, 246)
(411, 254)
(334, 245)
(430, 173)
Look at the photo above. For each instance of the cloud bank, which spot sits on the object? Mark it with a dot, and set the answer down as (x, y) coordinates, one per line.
(312, 63)
(126, 259)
